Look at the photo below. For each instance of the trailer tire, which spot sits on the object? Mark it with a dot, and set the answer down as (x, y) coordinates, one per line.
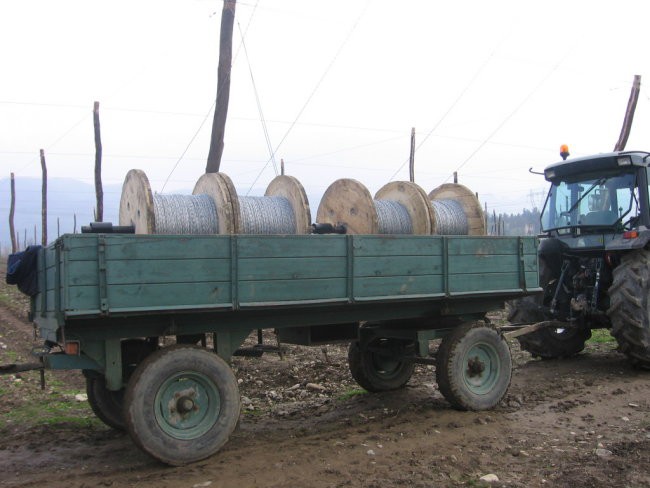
(181, 404)
(106, 404)
(375, 372)
(473, 367)
(629, 308)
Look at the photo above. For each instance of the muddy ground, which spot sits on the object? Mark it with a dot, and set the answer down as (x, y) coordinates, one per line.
(581, 422)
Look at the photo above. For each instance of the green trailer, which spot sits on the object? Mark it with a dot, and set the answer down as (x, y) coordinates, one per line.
(105, 301)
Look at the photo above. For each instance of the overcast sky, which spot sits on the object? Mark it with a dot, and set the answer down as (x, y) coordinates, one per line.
(492, 89)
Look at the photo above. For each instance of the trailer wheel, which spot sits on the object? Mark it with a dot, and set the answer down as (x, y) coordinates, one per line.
(106, 404)
(378, 372)
(181, 404)
(629, 308)
(473, 367)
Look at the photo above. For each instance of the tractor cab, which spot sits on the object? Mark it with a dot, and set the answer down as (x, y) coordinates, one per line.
(604, 196)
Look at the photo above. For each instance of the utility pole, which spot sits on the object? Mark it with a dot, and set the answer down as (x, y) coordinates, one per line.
(12, 230)
(412, 157)
(43, 203)
(223, 87)
(99, 190)
(629, 114)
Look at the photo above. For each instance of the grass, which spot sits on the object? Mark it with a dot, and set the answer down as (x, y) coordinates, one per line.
(47, 410)
(346, 395)
(601, 336)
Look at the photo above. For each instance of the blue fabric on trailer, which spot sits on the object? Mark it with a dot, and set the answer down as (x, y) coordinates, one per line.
(22, 270)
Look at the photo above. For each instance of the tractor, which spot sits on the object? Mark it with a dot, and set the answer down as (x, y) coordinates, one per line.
(594, 258)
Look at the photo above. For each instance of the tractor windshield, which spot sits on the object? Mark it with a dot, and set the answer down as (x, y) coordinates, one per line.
(601, 201)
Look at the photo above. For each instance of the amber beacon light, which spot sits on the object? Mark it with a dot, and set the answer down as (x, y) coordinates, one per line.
(564, 151)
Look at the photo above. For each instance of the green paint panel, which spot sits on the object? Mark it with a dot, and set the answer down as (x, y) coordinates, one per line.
(490, 245)
(397, 266)
(152, 274)
(297, 268)
(294, 246)
(383, 287)
(485, 263)
(483, 282)
(291, 290)
(167, 247)
(169, 271)
(397, 246)
(141, 297)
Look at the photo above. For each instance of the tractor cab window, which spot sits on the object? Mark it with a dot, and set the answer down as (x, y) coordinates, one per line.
(601, 201)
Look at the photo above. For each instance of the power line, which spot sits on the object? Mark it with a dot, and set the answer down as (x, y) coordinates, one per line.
(311, 95)
(509, 116)
(259, 104)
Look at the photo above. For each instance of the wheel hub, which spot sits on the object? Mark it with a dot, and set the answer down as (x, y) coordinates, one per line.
(475, 367)
(185, 405)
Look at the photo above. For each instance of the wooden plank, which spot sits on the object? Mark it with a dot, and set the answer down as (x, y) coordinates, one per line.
(168, 271)
(153, 295)
(167, 247)
(483, 246)
(291, 290)
(460, 245)
(387, 287)
(490, 263)
(483, 282)
(397, 266)
(294, 246)
(84, 273)
(397, 246)
(287, 268)
(81, 247)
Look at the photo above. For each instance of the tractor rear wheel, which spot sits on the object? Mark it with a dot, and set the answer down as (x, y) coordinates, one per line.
(629, 308)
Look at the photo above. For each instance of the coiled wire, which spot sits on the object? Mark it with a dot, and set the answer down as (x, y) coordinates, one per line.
(393, 217)
(266, 215)
(450, 218)
(185, 214)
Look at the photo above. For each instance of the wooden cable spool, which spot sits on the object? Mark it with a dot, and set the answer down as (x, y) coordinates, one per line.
(348, 202)
(141, 208)
(469, 203)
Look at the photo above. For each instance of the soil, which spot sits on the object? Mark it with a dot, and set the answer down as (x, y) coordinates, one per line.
(579, 422)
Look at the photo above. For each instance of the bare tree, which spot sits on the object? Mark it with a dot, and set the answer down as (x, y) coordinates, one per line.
(223, 87)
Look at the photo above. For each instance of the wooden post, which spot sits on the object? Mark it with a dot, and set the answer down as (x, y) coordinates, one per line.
(99, 191)
(455, 177)
(629, 114)
(412, 157)
(74, 228)
(58, 228)
(223, 87)
(486, 216)
(35, 235)
(282, 166)
(43, 202)
(12, 230)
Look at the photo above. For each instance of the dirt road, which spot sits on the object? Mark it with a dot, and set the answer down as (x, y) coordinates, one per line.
(581, 422)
